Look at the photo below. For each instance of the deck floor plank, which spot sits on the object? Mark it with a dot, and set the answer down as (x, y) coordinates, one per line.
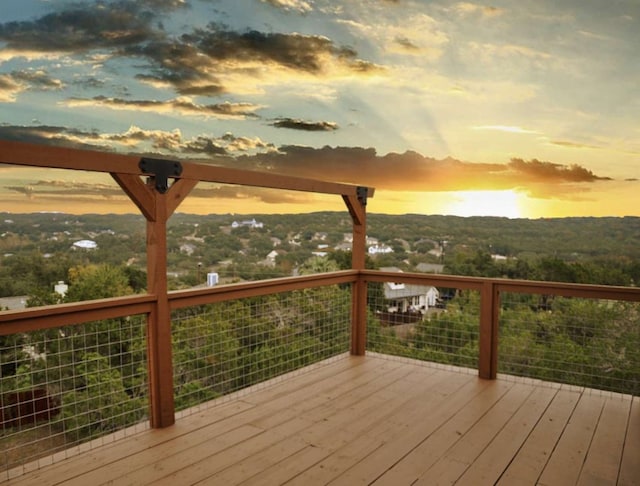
(496, 457)
(457, 459)
(571, 450)
(372, 420)
(630, 466)
(603, 459)
(433, 446)
(529, 462)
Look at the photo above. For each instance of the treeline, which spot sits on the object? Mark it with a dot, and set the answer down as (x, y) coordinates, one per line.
(36, 249)
(606, 270)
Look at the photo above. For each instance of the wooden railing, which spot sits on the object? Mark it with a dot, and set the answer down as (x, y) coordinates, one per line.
(490, 291)
(17, 322)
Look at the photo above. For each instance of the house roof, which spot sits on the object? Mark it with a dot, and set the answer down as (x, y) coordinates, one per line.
(400, 291)
(393, 291)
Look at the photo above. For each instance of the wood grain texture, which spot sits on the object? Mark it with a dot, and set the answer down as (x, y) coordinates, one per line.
(373, 420)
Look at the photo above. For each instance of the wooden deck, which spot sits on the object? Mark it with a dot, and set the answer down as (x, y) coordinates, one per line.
(379, 421)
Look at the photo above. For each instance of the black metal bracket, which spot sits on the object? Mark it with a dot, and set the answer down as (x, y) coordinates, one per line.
(362, 193)
(161, 170)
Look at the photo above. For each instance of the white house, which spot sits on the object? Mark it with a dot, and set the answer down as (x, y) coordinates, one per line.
(402, 297)
(252, 223)
(270, 259)
(187, 248)
(378, 249)
(85, 245)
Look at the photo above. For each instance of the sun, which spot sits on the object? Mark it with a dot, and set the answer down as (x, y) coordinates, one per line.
(486, 203)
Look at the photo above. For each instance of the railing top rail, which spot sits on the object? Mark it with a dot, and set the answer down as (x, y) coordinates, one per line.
(507, 285)
(17, 321)
(570, 289)
(186, 298)
(37, 318)
(34, 155)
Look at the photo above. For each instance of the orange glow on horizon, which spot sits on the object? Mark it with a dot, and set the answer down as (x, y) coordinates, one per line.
(487, 203)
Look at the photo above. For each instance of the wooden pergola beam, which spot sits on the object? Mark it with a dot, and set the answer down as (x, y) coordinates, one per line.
(34, 155)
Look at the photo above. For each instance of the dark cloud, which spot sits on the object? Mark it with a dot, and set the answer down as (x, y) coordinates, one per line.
(37, 79)
(243, 193)
(406, 45)
(204, 146)
(138, 140)
(184, 106)
(51, 135)
(164, 5)
(194, 63)
(86, 26)
(204, 62)
(89, 83)
(57, 191)
(308, 53)
(411, 171)
(67, 189)
(243, 144)
(408, 171)
(310, 126)
(9, 88)
(178, 64)
(16, 82)
(200, 90)
(540, 171)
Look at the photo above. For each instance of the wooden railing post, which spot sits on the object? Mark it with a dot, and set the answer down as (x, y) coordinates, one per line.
(357, 209)
(159, 347)
(157, 202)
(489, 313)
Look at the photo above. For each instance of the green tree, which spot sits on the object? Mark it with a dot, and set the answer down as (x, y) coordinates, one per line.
(99, 403)
(97, 282)
(206, 355)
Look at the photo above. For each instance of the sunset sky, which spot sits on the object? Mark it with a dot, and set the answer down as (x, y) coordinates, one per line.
(513, 108)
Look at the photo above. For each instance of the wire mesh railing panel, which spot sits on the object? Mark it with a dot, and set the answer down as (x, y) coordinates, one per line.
(224, 347)
(424, 322)
(66, 386)
(577, 341)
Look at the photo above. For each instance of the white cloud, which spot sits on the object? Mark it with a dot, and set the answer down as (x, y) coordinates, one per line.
(468, 8)
(505, 128)
(301, 6)
(413, 33)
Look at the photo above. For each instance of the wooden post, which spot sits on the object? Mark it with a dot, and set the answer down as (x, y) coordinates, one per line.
(489, 313)
(157, 207)
(159, 347)
(357, 209)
